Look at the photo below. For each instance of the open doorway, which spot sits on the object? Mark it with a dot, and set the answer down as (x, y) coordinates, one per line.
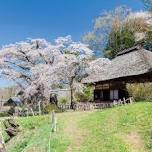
(106, 95)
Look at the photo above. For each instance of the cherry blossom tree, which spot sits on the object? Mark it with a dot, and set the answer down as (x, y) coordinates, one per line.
(37, 65)
(74, 63)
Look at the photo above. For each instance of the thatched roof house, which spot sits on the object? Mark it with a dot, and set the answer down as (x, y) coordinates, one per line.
(130, 62)
(131, 65)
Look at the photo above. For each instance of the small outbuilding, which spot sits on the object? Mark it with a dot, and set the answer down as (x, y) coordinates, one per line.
(14, 101)
(133, 65)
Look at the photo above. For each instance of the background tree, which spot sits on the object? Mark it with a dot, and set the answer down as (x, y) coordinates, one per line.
(127, 33)
(99, 36)
(119, 29)
(117, 41)
(148, 40)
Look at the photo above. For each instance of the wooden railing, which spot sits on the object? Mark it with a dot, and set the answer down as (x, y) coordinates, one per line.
(124, 101)
(101, 105)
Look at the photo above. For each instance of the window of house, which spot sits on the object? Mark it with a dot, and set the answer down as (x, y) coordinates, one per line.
(114, 95)
(101, 95)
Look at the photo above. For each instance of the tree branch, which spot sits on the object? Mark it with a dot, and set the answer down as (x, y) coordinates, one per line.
(22, 67)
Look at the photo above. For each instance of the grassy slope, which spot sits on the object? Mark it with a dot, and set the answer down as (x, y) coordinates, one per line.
(35, 136)
(121, 129)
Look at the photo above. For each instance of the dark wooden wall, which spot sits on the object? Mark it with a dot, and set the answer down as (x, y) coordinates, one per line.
(120, 82)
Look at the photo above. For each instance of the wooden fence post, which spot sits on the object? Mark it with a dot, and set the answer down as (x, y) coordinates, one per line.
(124, 101)
(53, 122)
(32, 111)
(131, 100)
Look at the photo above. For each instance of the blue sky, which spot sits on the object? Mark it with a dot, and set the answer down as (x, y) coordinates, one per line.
(21, 19)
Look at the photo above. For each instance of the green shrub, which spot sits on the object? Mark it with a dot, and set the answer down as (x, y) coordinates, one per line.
(86, 95)
(8, 112)
(142, 91)
(4, 114)
(49, 108)
(63, 100)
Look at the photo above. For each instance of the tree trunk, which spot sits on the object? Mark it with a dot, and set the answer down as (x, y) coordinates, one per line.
(39, 104)
(71, 93)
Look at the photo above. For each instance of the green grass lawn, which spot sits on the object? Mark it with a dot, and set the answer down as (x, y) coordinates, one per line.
(120, 129)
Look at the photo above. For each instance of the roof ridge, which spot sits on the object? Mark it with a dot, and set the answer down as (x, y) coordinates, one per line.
(125, 51)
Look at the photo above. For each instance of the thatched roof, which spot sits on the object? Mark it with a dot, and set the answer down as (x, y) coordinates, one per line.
(96, 68)
(130, 62)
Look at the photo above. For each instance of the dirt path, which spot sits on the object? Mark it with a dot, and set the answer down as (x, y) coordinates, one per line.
(135, 142)
(74, 132)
